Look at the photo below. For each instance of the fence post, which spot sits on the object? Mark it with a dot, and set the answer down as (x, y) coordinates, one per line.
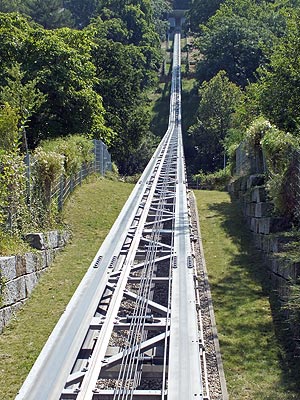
(61, 193)
(95, 155)
(28, 177)
(80, 175)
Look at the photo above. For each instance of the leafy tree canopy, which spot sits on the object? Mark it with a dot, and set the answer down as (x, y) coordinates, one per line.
(279, 88)
(218, 100)
(233, 40)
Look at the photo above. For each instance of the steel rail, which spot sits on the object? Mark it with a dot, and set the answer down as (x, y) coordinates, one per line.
(149, 245)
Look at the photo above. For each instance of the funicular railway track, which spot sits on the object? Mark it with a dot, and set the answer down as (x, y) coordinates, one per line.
(133, 328)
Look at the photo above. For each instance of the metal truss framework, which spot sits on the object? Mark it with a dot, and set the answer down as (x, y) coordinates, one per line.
(133, 327)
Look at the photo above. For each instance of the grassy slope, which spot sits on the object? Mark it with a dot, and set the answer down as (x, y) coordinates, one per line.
(250, 351)
(90, 213)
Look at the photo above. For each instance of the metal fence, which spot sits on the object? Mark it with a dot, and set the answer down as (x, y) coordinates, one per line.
(64, 185)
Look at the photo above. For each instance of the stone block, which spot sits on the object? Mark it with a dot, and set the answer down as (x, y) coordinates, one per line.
(32, 262)
(52, 239)
(36, 240)
(281, 286)
(31, 281)
(20, 265)
(7, 315)
(8, 268)
(255, 180)
(14, 291)
(63, 238)
(258, 194)
(49, 257)
(250, 209)
(263, 209)
(43, 259)
(267, 225)
(1, 319)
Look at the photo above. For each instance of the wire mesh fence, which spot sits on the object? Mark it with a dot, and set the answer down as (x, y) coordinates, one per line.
(65, 185)
(33, 201)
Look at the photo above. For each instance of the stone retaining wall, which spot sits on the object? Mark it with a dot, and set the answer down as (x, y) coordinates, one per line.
(20, 274)
(272, 235)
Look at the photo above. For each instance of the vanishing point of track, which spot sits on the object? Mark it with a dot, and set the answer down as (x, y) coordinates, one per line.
(133, 329)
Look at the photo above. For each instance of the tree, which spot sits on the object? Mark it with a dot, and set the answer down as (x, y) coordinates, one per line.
(25, 98)
(201, 11)
(61, 61)
(161, 8)
(49, 13)
(15, 31)
(218, 99)
(82, 10)
(234, 40)
(9, 5)
(279, 88)
(9, 132)
(124, 70)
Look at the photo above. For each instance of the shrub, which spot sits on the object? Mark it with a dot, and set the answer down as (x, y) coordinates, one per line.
(213, 181)
(13, 195)
(75, 149)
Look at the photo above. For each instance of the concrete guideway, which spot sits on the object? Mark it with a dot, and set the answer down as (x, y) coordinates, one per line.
(132, 330)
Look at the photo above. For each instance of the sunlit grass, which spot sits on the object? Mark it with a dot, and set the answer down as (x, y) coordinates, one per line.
(251, 353)
(90, 213)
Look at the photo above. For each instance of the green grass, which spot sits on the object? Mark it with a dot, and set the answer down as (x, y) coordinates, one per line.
(159, 109)
(252, 356)
(90, 213)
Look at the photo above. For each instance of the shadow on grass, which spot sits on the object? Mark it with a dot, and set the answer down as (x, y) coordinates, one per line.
(248, 262)
(159, 123)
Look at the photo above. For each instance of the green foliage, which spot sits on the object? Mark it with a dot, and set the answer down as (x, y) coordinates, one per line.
(62, 62)
(201, 11)
(75, 150)
(293, 303)
(91, 81)
(256, 132)
(161, 8)
(235, 37)
(12, 244)
(214, 181)
(278, 149)
(25, 98)
(49, 13)
(15, 31)
(9, 133)
(82, 10)
(13, 195)
(9, 5)
(48, 165)
(280, 82)
(218, 99)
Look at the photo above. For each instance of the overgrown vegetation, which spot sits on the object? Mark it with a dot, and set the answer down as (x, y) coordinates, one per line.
(214, 181)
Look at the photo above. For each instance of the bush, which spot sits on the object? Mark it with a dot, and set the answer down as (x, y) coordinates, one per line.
(13, 195)
(213, 181)
(75, 149)
(278, 148)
